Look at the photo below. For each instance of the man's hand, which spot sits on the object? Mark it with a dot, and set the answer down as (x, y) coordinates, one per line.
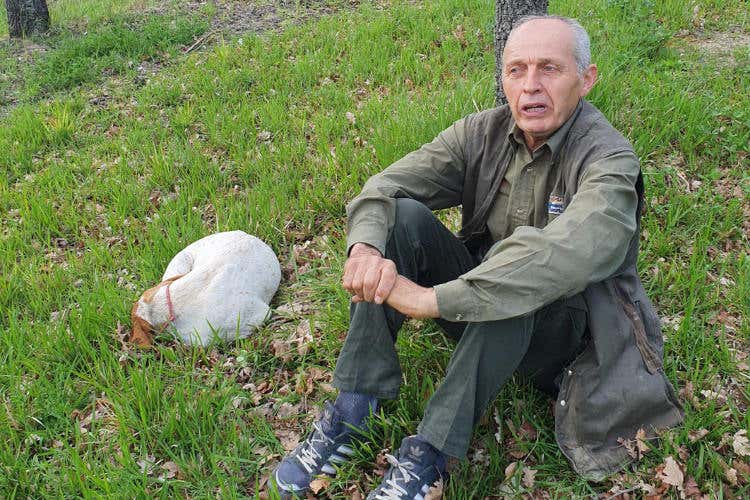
(368, 276)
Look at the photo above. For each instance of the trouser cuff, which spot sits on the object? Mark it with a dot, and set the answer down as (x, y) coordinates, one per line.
(350, 386)
(454, 450)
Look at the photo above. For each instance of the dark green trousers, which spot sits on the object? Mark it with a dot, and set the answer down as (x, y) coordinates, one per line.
(538, 345)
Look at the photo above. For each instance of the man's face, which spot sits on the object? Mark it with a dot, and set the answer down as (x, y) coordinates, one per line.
(541, 79)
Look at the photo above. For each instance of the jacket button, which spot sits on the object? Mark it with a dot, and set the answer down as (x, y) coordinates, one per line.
(562, 402)
(570, 372)
(459, 317)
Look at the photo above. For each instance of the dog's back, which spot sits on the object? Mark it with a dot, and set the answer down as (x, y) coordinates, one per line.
(234, 257)
(219, 285)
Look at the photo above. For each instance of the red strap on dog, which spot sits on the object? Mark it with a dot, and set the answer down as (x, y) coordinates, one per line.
(170, 308)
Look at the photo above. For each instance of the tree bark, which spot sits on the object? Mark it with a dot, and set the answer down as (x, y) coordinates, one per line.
(506, 13)
(27, 17)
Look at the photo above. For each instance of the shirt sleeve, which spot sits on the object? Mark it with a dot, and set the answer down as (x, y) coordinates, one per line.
(534, 267)
(433, 175)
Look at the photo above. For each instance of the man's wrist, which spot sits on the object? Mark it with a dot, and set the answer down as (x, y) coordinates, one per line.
(413, 300)
(363, 249)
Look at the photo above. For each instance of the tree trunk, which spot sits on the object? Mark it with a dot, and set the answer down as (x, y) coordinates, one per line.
(506, 13)
(27, 17)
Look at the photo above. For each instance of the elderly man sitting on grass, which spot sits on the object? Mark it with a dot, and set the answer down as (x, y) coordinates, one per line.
(541, 279)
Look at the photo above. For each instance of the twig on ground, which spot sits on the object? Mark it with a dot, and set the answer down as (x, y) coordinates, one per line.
(199, 41)
(621, 492)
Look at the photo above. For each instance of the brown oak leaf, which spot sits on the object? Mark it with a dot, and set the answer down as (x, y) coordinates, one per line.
(741, 444)
(694, 436)
(671, 472)
(319, 484)
(528, 477)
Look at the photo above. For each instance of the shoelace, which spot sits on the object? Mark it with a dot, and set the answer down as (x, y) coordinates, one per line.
(392, 490)
(308, 455)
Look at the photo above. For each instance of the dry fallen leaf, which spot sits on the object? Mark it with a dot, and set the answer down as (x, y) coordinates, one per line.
(460, 34)
(741, 444)
(480, 457)
(326, 387)
(719, 398)
(629, 447)
(287, 410)
(731, 474)
(435, 492)
(694, 436)
(319, 484)
(303, 337)
(671, 473)
(688, 393)
(528, 477)
(288, 439)
(640, 439)
(691, 488)
(171, 471)
(743, 471)
(510, 470)
(381, 464)
(281, 349)
(147, 464)
(353, 493)
(264, 136)
(317, 374)
(527, 431)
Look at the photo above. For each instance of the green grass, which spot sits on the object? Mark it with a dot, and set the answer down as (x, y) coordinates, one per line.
(120, 44)
(254, 136)
(77, 14)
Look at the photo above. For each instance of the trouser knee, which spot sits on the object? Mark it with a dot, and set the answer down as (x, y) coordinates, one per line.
(411, 215)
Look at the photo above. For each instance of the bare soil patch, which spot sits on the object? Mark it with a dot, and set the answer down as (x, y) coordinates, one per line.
(719, 45)
(238, 17)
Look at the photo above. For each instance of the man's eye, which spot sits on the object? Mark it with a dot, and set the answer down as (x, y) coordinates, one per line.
(549, 68)
(514, 71)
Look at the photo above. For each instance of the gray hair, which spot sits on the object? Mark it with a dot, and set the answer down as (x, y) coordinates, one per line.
(581, 41)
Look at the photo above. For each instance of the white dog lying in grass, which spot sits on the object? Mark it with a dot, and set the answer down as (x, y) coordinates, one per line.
(219, 286)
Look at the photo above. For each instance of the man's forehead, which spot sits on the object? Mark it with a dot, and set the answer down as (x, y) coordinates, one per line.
(543, 38)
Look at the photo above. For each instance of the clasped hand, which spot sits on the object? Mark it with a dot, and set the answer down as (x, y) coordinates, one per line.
(369, 277)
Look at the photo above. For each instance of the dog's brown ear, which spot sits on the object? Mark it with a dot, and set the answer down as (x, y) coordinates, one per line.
(171, 279)
(148, 295)
(140, 333)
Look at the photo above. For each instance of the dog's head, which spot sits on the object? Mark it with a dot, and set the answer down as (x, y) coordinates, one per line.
(142, 332)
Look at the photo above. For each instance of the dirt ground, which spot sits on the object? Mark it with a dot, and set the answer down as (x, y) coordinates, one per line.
(238, 17)
(718, 44)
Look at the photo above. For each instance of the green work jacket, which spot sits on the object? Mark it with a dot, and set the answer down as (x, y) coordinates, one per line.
(586, 246)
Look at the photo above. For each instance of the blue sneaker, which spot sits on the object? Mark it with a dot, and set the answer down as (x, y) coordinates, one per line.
(418, 467)
(327, 446)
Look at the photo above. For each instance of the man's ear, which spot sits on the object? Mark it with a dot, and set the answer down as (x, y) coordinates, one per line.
(589, 79)
(140, 333)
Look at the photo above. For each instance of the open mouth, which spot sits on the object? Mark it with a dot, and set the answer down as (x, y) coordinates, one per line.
(534, 109)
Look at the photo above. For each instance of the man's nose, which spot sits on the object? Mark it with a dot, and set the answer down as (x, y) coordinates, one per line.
(531, 83)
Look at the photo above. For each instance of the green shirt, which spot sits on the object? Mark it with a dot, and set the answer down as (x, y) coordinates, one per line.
(524, 193)
(532, 238)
